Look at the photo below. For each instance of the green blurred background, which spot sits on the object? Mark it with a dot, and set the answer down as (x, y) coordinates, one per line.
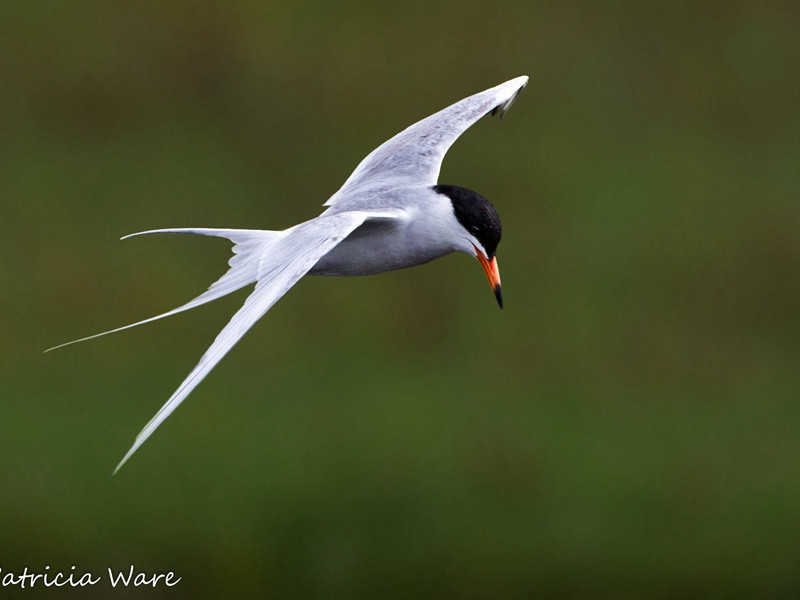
(628, 426)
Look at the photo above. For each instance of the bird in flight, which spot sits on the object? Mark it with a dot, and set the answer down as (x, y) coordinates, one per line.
(391, 213)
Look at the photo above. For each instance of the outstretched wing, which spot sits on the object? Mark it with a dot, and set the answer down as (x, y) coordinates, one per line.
(414, 156)
(287, 260)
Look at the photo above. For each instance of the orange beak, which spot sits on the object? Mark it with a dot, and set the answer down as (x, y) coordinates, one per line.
(492, 274)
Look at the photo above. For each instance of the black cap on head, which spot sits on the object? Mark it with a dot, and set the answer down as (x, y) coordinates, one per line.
(476, 214)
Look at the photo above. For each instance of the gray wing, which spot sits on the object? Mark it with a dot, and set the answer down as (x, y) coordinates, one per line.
(286, 261)
(414, 156)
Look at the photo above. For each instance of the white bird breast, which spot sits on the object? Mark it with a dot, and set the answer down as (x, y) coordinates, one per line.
(419, 235)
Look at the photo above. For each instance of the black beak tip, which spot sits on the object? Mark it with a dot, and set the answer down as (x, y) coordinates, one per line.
(499, 295)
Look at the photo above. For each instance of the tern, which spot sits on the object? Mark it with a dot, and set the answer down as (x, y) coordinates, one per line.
(391, 213)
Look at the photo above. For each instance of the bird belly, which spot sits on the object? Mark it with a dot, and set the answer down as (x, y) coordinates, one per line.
(376, 248)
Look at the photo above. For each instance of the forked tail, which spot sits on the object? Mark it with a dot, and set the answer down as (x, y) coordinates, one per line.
(249, 247)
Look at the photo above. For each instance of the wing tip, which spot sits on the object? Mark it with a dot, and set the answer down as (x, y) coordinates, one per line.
(519, 83)
(125, 458)
(119, 466)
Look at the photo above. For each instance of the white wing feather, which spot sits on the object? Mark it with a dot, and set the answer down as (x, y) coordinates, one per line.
(288, 259)
(414, 156)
